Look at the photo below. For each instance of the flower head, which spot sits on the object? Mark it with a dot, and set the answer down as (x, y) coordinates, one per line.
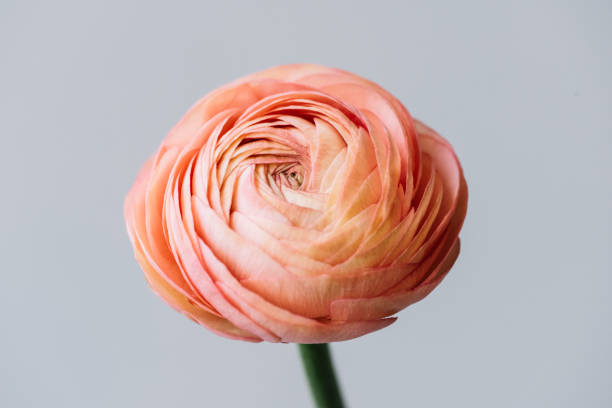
(299, 204)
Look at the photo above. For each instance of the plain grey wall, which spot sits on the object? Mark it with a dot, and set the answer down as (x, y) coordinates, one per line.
(523, 90)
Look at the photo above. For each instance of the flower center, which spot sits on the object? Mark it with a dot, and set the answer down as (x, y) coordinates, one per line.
(290, 175)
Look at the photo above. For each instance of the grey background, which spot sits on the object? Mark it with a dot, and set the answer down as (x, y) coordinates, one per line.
(522, 90)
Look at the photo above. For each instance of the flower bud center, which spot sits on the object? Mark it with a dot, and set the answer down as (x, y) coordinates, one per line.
(290, 175)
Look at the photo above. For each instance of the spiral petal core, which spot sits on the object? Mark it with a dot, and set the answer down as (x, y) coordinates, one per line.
(299, 204)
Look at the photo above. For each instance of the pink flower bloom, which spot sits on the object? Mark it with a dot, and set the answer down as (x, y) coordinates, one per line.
(299, 204)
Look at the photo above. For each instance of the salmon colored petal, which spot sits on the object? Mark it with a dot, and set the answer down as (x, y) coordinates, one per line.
(197, 271)
(179, 302)
(181, 299)
(382, 306)
(134, 211)
(293, 329)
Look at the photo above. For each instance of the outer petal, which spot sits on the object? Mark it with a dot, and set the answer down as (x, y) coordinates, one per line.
(382, 306)
(444, 255)
(180, 298)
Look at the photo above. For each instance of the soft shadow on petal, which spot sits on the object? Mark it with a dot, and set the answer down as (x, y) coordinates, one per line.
(382, 306)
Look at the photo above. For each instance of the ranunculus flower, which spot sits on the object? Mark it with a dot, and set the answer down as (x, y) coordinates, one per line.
(299, 204)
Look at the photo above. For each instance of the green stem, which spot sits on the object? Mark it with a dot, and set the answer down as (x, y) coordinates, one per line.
(321, 377)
